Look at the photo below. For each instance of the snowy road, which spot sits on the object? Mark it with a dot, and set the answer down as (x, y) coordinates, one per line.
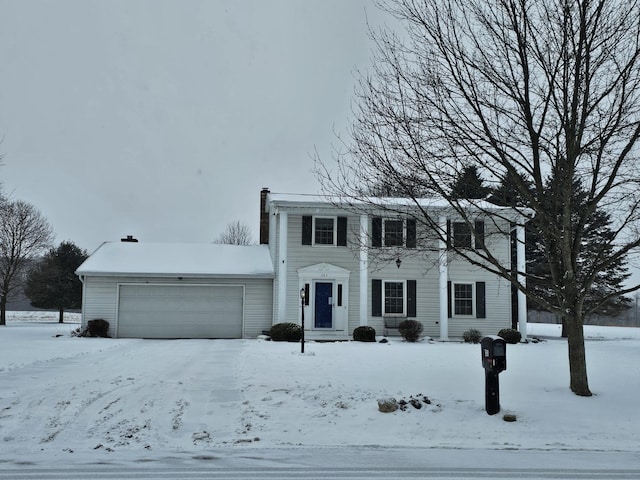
(358, 463)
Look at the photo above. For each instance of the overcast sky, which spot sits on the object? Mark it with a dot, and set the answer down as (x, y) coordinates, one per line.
(164, 119)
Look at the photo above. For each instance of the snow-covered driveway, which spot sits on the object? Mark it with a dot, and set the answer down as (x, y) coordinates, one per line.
(139, 393)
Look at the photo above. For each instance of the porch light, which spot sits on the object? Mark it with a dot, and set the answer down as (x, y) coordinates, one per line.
(398, 262)
(302, 295)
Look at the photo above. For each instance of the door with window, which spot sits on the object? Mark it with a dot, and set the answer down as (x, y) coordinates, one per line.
(323, 309)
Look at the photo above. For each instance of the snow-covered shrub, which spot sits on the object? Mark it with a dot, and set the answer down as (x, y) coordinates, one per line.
(510, 335)
(285, 332)
(472, 336)
(410, 330)
(364, 334)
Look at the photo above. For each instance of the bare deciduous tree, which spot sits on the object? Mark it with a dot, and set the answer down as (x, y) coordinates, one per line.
(236, 234)
(531, 89)
(24, 235)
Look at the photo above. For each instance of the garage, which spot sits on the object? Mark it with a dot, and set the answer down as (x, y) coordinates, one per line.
(180, 311)
(178, 290)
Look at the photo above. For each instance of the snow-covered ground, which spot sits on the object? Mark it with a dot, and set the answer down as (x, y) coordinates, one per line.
(71, 400)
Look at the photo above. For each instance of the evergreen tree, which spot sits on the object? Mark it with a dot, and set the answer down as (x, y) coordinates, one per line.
(596, 244)
(52, 283)
(469, 184)
(508, 194)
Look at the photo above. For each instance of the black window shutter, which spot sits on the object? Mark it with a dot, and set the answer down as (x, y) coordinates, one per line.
(339, 294)
(449, 299)
(411, 298)
(411, 233)
(449, 239)
(342, 231)
(376, 298)
(306, 294)
(479, 230)
(480, 300)
(376, 232)
(307, 227)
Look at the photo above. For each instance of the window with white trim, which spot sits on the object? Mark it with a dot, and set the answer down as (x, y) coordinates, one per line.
(393, 232)
(324, 230)
(394, 299)
(463, 235)
(463, 299)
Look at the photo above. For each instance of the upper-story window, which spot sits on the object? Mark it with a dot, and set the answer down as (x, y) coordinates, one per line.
(387, 232)
(462, 235)
(324, 230)
(393, 233)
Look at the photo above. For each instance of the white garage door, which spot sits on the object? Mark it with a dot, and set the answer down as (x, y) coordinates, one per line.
(167, 311)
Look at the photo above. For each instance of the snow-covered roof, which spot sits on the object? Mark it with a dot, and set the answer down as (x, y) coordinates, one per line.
(430, 203)
(179, 260)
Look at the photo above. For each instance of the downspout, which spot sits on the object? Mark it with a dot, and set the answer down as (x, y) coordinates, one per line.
(84, 290)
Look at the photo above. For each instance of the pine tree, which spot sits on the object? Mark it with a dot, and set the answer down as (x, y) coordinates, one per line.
(52, 283)
(469, 184)
(596, 244)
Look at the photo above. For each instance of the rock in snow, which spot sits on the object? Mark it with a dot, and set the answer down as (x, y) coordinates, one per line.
(387, 405)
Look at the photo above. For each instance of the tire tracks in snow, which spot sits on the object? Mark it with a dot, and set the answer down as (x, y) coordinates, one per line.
(143, 394)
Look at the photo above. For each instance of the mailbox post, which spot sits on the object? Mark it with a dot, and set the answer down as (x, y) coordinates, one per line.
(494, 361)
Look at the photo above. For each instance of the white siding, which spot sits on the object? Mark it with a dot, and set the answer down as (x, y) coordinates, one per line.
(300, 256)
(419, 264)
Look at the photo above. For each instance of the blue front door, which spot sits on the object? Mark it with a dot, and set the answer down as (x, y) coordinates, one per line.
(323, 317)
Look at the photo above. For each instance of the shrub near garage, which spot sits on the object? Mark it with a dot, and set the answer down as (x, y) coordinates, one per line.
(285, 332)
(94, 328)
(364, 334)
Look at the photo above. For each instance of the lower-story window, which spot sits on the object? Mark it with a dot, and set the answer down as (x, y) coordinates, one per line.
(463, 299)
(394, 298)
(466, 299)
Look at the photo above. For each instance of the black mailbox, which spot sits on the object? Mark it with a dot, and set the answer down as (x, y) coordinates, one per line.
(494, 361)
(494, 354)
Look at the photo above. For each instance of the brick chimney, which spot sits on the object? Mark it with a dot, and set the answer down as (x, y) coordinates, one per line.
(264, 217)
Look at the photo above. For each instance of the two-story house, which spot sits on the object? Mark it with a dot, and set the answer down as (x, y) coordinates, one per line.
(375, 266)
(344, 267)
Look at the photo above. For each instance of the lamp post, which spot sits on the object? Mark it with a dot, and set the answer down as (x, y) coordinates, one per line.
(302, 295)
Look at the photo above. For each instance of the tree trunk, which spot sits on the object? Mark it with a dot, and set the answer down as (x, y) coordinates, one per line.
(3, 310)
(61, 316)
(577, 358)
